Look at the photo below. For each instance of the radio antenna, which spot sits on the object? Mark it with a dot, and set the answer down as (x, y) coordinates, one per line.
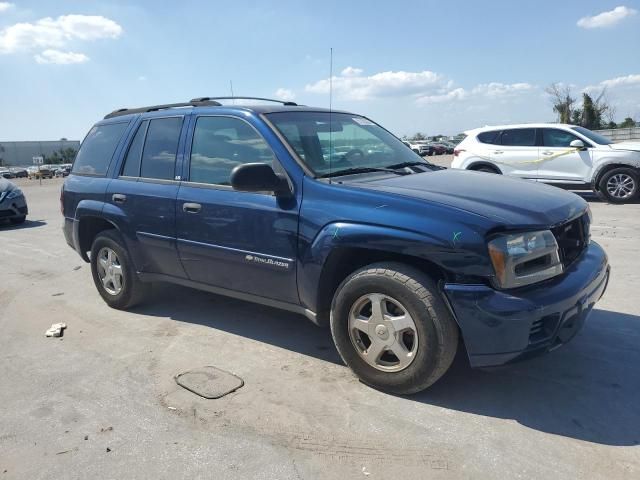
(330, 110)
(231, 86)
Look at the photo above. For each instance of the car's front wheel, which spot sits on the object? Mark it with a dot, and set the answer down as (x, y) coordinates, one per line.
(114, 273)
(619, 185)
(18, 220)
(392, 329)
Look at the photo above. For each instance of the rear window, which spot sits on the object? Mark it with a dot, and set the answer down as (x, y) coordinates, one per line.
(519, 137)
(98, 148)
(489, 137)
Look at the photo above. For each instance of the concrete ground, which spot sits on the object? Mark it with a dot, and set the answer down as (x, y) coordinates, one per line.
(101, 402)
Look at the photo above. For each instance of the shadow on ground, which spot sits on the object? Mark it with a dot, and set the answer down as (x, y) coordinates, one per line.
(7, 225)
(587, 390)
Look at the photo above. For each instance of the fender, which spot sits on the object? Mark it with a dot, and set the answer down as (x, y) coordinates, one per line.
(454, 250)
(604, 164)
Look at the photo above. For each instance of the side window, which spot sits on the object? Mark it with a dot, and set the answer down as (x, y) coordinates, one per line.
(160, 148)
(519, 137)
(489, 137)
(222, 143)
(552, 137)
(134, 155)
(98, 148)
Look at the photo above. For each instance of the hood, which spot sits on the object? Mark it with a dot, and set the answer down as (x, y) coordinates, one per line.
(508, 201)
(5, 185)
(634, 146)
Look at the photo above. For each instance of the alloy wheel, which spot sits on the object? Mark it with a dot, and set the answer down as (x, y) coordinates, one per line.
(110, 271)
(621, 186)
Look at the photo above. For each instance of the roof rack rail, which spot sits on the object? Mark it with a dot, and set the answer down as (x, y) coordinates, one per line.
(207, 99)
(193, 103)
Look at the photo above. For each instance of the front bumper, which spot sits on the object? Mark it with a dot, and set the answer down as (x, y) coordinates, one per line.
(13, 208)
(501, 326)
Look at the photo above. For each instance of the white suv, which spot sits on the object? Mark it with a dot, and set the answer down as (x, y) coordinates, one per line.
(563, 155)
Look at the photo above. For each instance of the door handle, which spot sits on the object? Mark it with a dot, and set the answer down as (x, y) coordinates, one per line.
(547, 153)
(118, 198)
(191, 207)
(498, 152)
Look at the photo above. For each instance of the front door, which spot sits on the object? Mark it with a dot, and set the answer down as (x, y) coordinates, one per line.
(517, 154)
(144, 195)
(561, 163)
(238, 241)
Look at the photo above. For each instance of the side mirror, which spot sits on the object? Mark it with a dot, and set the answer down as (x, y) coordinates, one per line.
(577, 144)
(258, 177)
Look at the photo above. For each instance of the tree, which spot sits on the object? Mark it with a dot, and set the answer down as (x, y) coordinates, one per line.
(612, 125)
(418, 136)
(628, 123)
(562, 101)
(576, 117)
(589, 114)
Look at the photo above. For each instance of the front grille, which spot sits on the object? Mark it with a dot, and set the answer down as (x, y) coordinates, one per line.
(572, 238)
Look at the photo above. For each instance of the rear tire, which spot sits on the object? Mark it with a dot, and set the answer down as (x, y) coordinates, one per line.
(113, 272)
(412, 320)
(619, 185)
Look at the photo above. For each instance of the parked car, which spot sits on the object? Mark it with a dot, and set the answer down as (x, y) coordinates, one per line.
(62, 171)
(19, 172)
(563, 155)
(13, 205)
(6, 173)
(40, 172)
(399, 257)
(438, 148)
(420, 147)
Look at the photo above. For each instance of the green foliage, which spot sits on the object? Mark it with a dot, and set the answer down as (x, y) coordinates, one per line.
(418, 136)
(628, 123)
(64, 155)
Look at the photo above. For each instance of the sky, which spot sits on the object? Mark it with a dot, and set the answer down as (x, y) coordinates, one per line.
(437, 67)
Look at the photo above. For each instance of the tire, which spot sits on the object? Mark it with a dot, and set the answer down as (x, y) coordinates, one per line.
(619, 185)
(435, 332)
(18, 220)
(131, 290)
(486, 169)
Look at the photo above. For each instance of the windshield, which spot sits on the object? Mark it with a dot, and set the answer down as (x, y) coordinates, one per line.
(348, 142)
(593, 136)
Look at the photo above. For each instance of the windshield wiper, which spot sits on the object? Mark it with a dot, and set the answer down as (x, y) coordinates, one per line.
(349, 171)
(429, 165)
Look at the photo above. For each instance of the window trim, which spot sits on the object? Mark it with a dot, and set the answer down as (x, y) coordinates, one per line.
(216, 186)
(116, 150)
(535, 137)
(126, 154)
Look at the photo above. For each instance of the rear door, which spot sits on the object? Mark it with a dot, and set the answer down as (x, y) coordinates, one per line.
(144, 192)
(517, 153)
(561, 163)
(238, 241)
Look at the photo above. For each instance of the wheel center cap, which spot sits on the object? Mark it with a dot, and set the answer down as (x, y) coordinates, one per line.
(382, 331)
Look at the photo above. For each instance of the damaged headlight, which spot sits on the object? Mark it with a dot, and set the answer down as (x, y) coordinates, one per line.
(524, 258)
(15, 193)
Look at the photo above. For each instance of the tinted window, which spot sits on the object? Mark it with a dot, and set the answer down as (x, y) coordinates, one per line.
(132, 162)
(552, 137)
(97, 149)
(222, 143)
(519, 137)
(593, 136)
(160, 148)
(489, 137)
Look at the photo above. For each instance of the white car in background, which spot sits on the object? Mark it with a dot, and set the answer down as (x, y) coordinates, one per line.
(567, 156)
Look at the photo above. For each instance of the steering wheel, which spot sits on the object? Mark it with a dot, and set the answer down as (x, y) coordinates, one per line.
(352, 153)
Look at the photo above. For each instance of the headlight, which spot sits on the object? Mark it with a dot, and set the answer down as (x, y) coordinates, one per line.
(524, 258)
(16, 192)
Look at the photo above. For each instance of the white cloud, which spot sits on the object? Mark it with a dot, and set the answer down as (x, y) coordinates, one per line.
(142, 78)
(285, 94)
(607, 19)
(496, 89)
(56, 33)
(452, 95)
(4, 6)
(60, 58)
(352, 85)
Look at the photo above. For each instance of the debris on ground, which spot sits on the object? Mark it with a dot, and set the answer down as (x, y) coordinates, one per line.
(106, 429)
(57, 294)
(55, 330)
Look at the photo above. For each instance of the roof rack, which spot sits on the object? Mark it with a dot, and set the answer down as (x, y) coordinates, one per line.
(193, 103)
(207, 99)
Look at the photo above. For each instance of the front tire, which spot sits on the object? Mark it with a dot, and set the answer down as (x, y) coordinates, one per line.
(619, 185)
(392, 328)
(18, 220)
(113, 272)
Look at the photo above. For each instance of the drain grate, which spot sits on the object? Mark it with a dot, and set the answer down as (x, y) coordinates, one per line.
(209, 382)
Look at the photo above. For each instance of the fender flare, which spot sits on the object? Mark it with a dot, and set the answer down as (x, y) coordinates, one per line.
(604, 167)
(481, 163)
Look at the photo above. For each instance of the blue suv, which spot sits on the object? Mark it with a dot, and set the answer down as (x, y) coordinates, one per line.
(328, 214)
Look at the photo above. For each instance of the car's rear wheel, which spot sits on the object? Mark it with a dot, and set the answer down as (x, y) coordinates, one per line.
(392, 329)
(114, 273)
(619, 185)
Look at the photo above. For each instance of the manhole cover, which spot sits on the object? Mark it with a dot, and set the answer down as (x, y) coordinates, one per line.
(209, 382)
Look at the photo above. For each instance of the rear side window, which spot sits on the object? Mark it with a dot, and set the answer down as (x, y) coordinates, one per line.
(160, 148)
(489, 137)
(98, 148)
(553, 137)
(519, 137)
(134, 155)
(222, 143)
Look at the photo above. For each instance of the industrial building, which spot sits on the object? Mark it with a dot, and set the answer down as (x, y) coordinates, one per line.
(22, 153)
